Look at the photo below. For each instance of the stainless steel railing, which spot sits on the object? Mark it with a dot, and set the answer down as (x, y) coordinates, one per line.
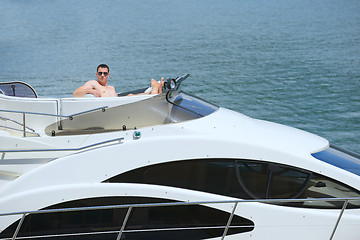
(24, 113)
(115, 141)
(131, 207)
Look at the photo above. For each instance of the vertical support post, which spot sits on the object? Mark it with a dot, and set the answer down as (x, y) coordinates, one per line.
(60, 112)
(124, 223)
(338, 220)
(229, 221)
(18, 227)
(24, 126)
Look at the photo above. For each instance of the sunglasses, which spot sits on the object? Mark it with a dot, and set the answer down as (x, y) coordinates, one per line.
(101, 73)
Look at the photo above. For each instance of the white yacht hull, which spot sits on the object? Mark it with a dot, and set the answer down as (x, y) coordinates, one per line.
(158, 153)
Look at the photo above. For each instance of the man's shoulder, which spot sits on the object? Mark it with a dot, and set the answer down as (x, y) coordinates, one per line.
(92, 83)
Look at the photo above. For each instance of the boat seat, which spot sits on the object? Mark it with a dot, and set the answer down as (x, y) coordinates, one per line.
(17, 89)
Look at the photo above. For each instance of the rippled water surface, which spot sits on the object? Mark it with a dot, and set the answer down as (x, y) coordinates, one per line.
(291, 62)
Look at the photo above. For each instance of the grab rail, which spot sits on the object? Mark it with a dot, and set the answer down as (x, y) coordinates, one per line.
(130, 208)
(16, 122)
(57, 115)
(119, 140)
(19, 130)
(71, 116)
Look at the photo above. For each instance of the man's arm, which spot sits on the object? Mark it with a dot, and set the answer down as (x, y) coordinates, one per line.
(90, 87)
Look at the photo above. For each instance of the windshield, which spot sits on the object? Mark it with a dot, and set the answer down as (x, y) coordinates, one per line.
(191, 104)
(340, 158)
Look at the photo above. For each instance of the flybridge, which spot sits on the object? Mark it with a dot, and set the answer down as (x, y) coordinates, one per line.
(67, 116)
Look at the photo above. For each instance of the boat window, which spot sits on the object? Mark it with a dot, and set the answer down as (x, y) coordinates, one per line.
(340, 158)
(170, 222)
(268, 181)
(244, 179)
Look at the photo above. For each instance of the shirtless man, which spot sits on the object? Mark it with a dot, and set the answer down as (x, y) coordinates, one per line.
(100, 88)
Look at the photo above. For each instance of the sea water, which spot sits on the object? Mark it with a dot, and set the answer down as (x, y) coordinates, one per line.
(292, 62)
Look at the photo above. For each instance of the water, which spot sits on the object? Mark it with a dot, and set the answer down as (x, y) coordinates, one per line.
(292, 62)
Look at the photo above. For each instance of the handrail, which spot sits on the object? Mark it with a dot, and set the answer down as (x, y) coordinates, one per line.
(63, 149)
(169, 204)
(19, 123)
(15, 129)
(71, 116)
(130, 208)
(57, 115)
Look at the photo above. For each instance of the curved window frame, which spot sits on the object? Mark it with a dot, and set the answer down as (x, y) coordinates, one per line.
(223, 177)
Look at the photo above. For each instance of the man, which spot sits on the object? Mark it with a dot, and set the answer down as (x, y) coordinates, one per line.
(100, 88)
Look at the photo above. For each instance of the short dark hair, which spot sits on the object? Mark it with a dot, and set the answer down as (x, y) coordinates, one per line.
(103, 66)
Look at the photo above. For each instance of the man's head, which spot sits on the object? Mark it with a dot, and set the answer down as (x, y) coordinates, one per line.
(102, 74)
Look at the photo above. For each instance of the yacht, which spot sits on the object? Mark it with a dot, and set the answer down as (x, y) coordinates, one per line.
(166, 166)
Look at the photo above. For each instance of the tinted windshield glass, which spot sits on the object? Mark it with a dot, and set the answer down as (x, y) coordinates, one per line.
(339, 158)
(191, 104)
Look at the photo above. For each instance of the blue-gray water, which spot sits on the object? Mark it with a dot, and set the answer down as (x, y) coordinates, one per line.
(292, 62)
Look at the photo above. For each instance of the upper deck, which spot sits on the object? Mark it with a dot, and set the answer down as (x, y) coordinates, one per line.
(39, 116)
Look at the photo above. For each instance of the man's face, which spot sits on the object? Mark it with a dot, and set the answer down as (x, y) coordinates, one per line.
(102, 76)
